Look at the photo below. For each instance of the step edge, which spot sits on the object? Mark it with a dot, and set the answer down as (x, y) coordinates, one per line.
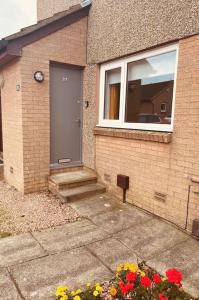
(97, 188)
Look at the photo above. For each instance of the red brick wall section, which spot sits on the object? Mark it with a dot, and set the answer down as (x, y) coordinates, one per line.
(157, 167)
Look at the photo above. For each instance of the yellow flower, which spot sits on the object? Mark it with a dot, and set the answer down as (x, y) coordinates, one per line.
(62, 288)
(60, 293)
(99, 288)
(119, 268)
(77, 298)
(78, 291)
(73, 293)
(142, 274)
(88, 285)
(133, 268)
(95, 293)
(126, 266)
(64, 297)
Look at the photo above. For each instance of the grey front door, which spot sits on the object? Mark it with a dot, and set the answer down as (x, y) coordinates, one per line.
(65, 115)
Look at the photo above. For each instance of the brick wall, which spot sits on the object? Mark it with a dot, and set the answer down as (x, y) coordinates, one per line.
(66, 46)
(26, 115)
(12, 125)
(47, 8)
(159, 167)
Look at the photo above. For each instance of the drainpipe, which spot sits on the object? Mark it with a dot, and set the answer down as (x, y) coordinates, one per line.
(195, 225)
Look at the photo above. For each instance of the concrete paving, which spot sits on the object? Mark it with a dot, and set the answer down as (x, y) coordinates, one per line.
(17, 249)
(8, 290)
(32, 265)
(37, 279)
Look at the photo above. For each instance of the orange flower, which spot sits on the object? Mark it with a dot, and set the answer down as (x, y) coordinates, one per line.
(113, 292)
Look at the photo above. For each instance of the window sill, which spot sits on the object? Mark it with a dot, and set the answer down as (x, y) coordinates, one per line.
(152, 136)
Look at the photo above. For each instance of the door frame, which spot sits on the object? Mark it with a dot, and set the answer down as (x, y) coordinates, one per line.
(75, 67)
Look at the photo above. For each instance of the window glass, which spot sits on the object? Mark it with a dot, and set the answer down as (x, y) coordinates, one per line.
(149, 92)
(112, 94)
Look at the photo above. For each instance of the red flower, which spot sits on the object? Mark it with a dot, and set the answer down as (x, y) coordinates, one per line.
(131, 276)
(145, 281)
(156, 278)
(174, 276)
(162, 297)
(126, 288)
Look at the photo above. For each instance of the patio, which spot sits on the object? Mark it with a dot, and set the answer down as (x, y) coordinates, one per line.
(32, 265)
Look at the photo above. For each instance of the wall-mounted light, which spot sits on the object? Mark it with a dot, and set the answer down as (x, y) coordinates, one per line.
(39, 76)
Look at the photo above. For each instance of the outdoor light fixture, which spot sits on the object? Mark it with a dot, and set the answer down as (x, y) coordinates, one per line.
(39, 76)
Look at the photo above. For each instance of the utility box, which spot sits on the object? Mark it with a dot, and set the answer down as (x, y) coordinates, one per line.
(195, 228)
(123, 181)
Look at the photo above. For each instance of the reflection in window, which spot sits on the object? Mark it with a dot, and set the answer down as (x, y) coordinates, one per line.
(112, 94)
(150, 89)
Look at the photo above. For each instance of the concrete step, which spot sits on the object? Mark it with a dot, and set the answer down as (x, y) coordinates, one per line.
(81, 192)
(72, 179)
(65, 170)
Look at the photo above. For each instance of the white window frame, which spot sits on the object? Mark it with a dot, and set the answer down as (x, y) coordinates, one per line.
(123, 63)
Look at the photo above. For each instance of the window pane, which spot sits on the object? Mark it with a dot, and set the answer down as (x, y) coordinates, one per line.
(150, 89)
(112, 94)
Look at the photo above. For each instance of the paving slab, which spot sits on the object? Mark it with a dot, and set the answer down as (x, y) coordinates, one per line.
(17, 249)
(38, 279)
(69, 236)
(112, 253)
(7, 287)
(184, 257)
(151, 238)
(96, 205)
(120, 219)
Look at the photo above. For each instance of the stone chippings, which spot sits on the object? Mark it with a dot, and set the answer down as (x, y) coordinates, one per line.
(19, 214)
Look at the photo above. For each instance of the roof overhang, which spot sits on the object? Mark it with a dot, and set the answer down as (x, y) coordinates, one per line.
(6, 57)
(11, 47)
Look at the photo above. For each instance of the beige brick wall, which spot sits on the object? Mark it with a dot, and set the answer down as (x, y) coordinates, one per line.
(47, 8)
(118, 28)
(26, 115)
(65, 46)
(12, 125)
(164, 168)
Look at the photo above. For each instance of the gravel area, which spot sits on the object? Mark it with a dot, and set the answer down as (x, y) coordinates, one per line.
(20, 214)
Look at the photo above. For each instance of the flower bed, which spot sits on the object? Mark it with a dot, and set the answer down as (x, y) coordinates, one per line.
(131, 281)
